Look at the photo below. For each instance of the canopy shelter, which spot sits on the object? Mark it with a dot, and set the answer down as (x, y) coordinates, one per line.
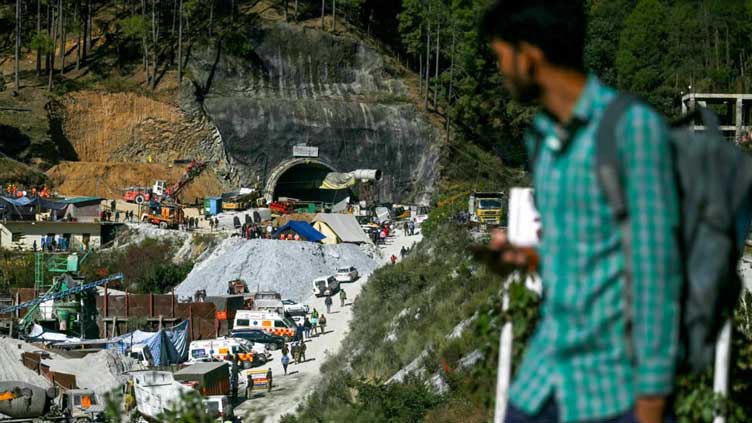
(340, 228)
(304, 229)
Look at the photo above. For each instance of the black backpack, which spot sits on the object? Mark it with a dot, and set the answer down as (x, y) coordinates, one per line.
(714, 182)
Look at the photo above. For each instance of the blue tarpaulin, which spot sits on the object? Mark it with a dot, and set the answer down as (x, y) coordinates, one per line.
(168, 346)
(304, 229)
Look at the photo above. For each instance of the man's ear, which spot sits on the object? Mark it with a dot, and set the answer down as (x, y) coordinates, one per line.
(533, 55)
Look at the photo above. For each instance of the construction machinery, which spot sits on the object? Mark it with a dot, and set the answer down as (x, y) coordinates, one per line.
(166, 216)
(160, 191)
(24, 402)
(485, 208)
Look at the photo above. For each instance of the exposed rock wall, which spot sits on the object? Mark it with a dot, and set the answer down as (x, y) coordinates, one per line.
(306, 86)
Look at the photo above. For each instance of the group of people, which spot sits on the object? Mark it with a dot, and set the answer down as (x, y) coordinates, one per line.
(13, 191)
(409, 228)
(52, 243)
(254, 231)
(213, 224)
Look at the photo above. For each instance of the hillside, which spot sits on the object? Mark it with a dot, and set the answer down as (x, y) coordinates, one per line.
(252, 88)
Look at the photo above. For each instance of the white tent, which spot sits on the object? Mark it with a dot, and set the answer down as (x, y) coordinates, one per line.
(340, 228)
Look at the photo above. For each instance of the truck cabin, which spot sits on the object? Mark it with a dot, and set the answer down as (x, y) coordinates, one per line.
(79, 399)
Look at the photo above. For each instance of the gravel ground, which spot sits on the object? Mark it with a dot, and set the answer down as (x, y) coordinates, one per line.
(101, 372)
(288, 267)
(11, 367)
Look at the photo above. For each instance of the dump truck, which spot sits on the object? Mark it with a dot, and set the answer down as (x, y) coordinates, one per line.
(24, 402)
(485, 208)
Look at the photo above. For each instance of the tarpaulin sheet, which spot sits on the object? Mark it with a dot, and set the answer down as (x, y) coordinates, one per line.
(336, 181)
(304, 229)
(345, 226)
(38, 333)
(168, 346)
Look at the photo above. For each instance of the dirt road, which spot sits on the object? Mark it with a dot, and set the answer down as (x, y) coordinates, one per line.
(288, 391)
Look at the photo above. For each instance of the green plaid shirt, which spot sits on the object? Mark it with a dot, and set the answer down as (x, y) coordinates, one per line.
(578, 353)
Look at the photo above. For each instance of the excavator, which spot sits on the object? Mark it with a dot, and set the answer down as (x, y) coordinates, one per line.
(164, 207)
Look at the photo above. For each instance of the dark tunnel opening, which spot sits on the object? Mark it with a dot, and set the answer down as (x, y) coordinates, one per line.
(302, 182)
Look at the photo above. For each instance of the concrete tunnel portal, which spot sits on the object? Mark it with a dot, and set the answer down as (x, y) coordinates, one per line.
(301, 179)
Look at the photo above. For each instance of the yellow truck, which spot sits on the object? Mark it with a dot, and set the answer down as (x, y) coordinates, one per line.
(485, 208)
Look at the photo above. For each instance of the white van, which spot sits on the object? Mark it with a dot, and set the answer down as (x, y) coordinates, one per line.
(328, 285)
(218, 349)
(269, 322)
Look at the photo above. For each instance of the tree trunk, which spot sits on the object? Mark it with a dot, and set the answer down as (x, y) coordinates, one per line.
(334, 15)
(717, 53)
(323, 6)
(436, 78)
(180, 48)
(451, 81)
(53, 25)
(211, 16)
(18, 43)
(39, 31)
(287, 8)
(49, 35)
(155, 39)
(296, 11)
(87, 33)
(144, 45)
(428, 62)
(77, 19)
(174, 15)
(61, 18)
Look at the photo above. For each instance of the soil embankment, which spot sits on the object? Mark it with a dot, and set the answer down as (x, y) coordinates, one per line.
(109, 179)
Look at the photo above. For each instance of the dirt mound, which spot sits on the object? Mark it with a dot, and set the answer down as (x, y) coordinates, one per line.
(118, 127)
(108, 179)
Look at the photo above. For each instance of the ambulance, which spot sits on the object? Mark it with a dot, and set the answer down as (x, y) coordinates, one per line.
(218, 349)
(269, 322)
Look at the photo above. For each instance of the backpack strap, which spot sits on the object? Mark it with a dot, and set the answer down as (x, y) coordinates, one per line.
(611, 179)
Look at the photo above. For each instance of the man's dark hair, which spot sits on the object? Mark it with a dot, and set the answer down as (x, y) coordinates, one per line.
(557, 27)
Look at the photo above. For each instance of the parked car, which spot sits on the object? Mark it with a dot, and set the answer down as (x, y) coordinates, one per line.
(347, 274)
(258, 336)
(327, 285)
(295, 308)
(218, 407)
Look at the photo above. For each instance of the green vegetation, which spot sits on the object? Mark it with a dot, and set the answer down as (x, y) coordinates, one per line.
(148, 266)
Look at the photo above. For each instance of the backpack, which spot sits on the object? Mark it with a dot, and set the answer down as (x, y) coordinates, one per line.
(714, 182)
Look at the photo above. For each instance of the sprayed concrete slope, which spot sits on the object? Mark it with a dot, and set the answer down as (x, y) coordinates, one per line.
(288, 267)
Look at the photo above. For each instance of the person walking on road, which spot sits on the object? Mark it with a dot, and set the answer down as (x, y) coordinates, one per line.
(342, 297)
(587, 362)
(302, 352)
(285, 349)
(328, 302)
(315, 314)
(314, 324)
(322, 324)
(307, 328)
(285, 360)
(248, 385)
(269, 379)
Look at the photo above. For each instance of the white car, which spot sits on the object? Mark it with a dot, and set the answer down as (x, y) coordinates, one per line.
(347, 274)
(218, 407)
(327, 285)
(295, 308)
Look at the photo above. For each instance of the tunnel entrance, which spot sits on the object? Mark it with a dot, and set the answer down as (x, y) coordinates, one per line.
(301, 180)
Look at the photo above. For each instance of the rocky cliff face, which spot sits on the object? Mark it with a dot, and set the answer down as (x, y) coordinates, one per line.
(304, 86)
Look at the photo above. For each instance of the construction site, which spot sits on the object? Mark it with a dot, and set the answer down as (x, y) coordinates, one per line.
(91, 339)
